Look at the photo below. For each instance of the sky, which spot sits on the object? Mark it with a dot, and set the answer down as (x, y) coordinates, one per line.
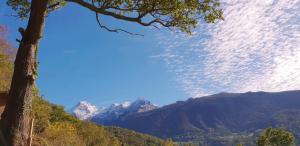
(256, 48)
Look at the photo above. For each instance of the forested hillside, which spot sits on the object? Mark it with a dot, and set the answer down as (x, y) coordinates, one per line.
(54, 127)
(222, 119)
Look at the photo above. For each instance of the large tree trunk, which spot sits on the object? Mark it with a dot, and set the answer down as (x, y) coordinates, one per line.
(15, 121)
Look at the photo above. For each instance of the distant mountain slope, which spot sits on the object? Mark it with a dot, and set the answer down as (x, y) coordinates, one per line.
(221, 118)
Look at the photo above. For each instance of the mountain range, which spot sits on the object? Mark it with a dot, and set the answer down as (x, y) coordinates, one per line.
(107, 116)
(221, 119)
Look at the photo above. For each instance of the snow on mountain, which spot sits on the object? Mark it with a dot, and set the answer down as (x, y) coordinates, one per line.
(87, 111)
(141, 105)
(84, 110)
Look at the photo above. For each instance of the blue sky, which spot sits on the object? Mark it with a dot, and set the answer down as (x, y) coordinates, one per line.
(80, 61)
(256, 48)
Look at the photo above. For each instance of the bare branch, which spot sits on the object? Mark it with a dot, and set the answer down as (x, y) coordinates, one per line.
(109, 29)
(22, 31)
(19, 41)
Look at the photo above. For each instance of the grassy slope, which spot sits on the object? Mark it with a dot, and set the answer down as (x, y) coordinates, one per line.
(53, 126)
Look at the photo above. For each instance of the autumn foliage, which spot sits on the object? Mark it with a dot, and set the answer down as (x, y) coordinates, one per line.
(6, 58)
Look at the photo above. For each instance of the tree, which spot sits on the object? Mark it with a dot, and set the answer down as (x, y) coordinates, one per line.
(276, 137)
(182, 14)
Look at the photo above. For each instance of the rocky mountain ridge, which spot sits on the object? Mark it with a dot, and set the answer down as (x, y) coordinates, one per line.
(101, 115)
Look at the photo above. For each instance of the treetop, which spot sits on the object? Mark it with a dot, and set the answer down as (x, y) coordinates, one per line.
(181, 14)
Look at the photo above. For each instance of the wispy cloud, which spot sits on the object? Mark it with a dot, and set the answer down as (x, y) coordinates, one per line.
(256, 48)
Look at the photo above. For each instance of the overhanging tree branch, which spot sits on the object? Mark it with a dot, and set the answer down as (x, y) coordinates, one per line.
(109, 29)
(138, 19)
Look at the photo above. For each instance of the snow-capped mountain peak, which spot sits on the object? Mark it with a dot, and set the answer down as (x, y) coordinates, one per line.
(142, 105)
(126, 104)
(84, 110)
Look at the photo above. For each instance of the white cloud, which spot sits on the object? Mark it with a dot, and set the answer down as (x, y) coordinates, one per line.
(256, 48)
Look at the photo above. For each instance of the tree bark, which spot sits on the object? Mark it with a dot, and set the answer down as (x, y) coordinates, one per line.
(15, 121)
